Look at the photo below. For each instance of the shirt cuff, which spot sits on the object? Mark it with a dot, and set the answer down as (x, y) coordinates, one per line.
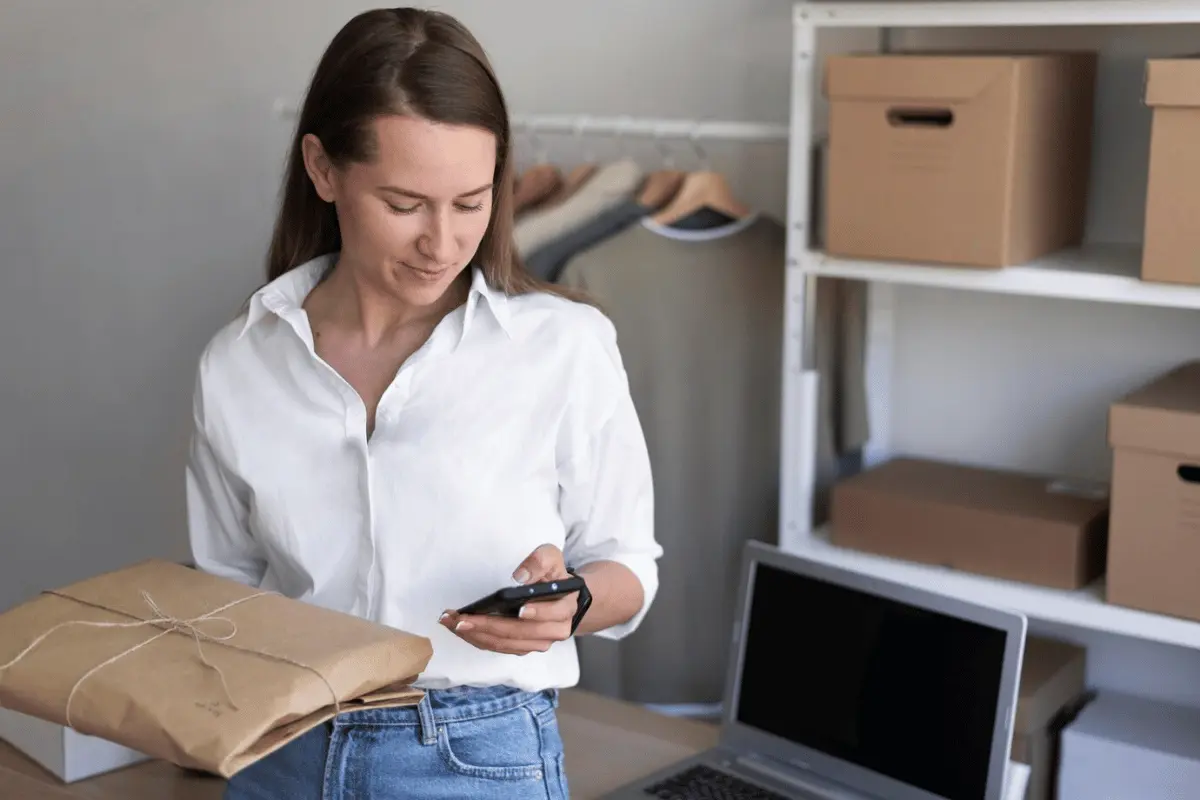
(645, 570)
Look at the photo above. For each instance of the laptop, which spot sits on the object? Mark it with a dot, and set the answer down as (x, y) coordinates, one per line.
(842, 686)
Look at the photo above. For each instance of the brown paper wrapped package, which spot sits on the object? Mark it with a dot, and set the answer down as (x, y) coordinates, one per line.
(198, 670)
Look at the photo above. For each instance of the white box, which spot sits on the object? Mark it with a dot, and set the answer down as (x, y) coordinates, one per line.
(1122, 747)
(66, 753)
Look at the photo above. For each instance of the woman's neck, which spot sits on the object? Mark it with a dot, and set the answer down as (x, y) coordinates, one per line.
(348, 301)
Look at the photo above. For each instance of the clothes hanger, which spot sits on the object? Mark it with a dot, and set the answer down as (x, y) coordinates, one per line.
(702, 189)
(578, 175)
(539, 181)
(661, 186)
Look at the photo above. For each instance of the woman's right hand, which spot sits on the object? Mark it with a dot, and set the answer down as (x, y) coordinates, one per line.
(540, 625)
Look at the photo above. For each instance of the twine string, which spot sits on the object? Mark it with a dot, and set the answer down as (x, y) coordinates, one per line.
(169, 624)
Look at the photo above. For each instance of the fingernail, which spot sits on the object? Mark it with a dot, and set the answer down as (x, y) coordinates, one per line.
(526, 612)
(521, 576)
(463, 625)
(444, 616)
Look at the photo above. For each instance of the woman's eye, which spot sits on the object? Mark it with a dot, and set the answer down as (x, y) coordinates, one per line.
(468, 209)
(403, 209)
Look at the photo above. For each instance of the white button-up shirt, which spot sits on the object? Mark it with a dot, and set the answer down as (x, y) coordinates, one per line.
(512, 426)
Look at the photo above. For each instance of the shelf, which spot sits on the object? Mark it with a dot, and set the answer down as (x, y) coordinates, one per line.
(1097, 273)
(1084, 609)
(961, 14)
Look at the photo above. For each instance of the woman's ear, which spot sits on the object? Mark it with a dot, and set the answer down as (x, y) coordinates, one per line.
(319, 168)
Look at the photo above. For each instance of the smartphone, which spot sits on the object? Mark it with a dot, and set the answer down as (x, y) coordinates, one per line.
(508, 602)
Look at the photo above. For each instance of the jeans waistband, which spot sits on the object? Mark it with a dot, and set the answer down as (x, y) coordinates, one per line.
(451, 705)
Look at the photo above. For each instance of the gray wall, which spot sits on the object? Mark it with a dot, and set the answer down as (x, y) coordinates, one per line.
(139, 159)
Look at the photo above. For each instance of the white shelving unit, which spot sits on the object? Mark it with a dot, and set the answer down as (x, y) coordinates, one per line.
(1084, 609)
(1097, 273)
(1092, 274)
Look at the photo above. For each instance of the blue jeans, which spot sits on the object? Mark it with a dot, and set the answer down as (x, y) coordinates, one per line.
(494, 744)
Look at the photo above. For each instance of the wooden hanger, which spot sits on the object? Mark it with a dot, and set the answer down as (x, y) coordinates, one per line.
(535, 185)
(705, 189)
(660, 187)
(576, 178)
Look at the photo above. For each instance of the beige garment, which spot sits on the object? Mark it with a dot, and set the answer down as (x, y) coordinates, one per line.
(700, 327)
(612, 185)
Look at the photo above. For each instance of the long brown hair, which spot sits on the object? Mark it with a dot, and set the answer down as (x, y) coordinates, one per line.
(402, 61)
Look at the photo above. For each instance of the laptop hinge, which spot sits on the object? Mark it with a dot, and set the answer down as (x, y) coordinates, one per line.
(807, 782)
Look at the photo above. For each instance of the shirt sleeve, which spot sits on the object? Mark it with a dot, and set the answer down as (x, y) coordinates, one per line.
(606, 490)
(218, 510)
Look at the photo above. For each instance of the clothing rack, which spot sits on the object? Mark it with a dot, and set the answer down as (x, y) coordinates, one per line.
(712, 130)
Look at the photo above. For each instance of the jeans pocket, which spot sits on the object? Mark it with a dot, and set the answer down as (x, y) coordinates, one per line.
(502, 747)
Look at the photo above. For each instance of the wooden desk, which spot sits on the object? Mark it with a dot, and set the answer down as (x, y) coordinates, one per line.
(608, 744)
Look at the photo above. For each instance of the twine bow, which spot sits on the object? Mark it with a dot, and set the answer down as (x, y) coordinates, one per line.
(169, 624)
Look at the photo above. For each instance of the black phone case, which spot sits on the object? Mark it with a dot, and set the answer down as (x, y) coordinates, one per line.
(507, 602)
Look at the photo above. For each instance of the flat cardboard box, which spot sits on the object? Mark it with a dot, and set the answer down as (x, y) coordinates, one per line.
(1171, 253)
(1122, 747)
(1154, 544)
(979, 161)
(65, 753)
(991, 522)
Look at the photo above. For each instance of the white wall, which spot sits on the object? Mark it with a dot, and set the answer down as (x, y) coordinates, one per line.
(139, 159)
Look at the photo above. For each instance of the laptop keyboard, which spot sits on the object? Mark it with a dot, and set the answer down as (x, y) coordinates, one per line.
(706, 783)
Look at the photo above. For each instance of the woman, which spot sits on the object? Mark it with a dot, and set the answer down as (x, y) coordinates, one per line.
(403, 421)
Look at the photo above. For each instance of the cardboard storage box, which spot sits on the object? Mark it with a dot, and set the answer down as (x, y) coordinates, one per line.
(1172, 238)
(65, 753)
(1003, 524)
(971, 160)
(1122, 747)
(1154, 548)
(1053, 686)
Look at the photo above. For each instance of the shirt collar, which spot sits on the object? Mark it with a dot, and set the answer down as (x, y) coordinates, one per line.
(496, 301)
(286, 295)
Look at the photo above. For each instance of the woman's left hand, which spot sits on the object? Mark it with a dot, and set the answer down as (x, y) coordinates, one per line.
(540, 625)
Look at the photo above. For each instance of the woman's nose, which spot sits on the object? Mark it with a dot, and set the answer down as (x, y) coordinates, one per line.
(439, 244)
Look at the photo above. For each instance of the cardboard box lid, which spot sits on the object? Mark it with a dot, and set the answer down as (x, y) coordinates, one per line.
(988, 490)
(913, 78)
(1173, 82)
(1053, 676)
(1163, 416)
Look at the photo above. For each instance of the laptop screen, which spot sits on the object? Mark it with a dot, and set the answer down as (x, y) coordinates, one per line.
(905, 692)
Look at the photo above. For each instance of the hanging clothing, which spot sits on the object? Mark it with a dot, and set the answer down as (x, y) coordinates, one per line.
(612, 185)
(548, 261)
(699, 314)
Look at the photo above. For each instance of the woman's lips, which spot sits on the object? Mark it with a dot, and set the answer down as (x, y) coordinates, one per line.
(426, 274)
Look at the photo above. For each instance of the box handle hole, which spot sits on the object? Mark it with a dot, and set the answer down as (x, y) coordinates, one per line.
(1188, 473)
(920, 117)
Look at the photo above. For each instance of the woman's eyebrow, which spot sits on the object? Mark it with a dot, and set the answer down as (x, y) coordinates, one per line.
(419, 196)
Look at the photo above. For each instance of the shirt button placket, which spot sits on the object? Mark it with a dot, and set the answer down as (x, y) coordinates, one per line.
(356, 436)
(385, 416)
